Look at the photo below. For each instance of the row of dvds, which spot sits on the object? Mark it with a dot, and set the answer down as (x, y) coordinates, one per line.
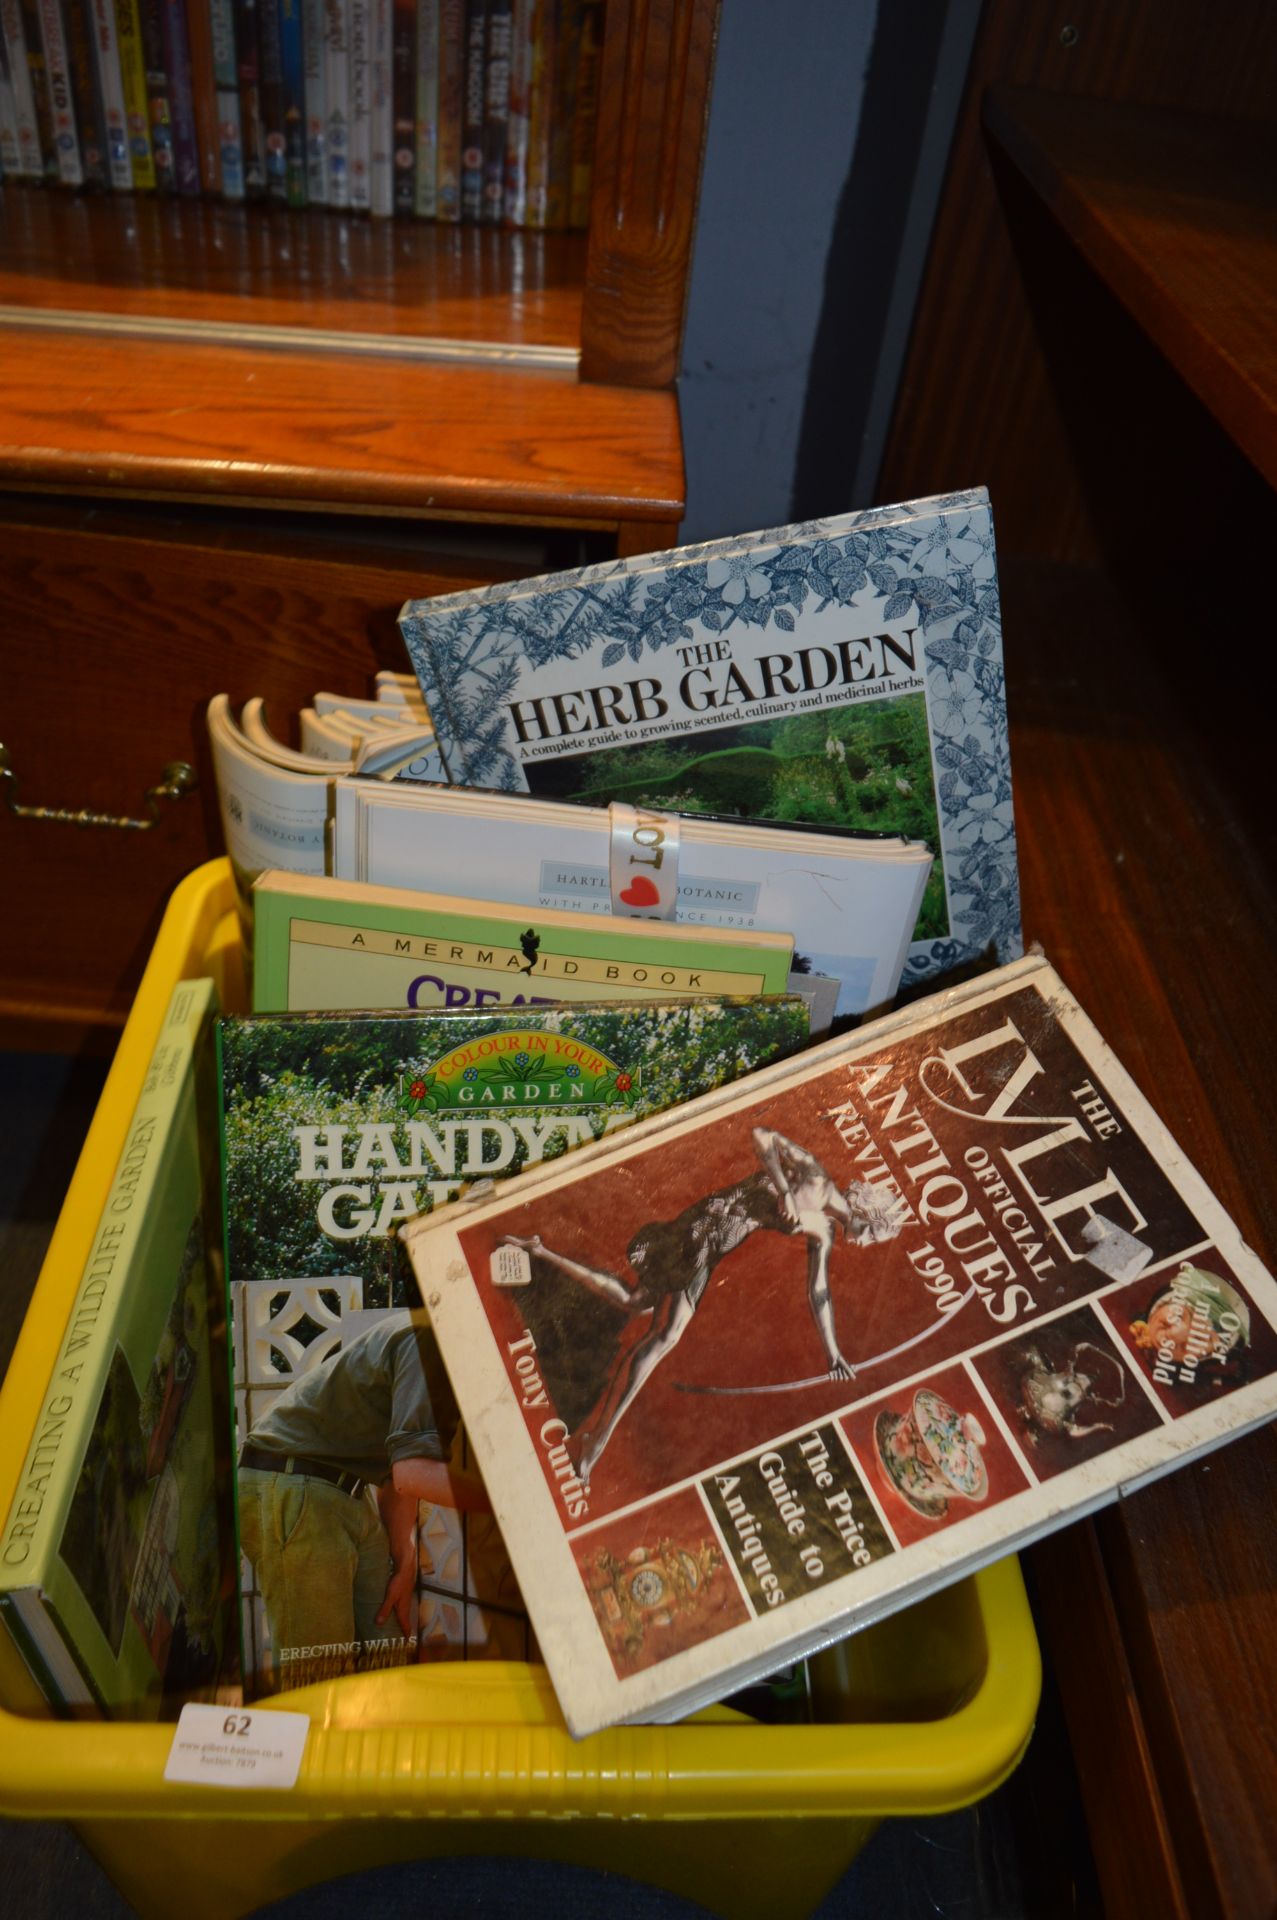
(457, 110)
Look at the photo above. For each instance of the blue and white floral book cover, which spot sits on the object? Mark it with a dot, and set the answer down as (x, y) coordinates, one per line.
(846, 672)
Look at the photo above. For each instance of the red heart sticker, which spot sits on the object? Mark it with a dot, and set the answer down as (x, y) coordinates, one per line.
(640, 892)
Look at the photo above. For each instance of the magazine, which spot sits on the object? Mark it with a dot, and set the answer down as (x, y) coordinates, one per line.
(335, 1128)
(844, 672)
(796, 1354)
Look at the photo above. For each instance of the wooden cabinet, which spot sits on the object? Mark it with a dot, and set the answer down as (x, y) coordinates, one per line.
(1095, 342)
(232, 442)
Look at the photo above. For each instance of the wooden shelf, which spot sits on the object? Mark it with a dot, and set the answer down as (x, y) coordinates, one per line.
(1177, 213)
(133, 257)
(82, 413)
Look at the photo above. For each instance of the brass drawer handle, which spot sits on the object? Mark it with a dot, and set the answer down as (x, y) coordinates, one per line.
(178, 779)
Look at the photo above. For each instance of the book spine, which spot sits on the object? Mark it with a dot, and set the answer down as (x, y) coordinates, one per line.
(270, 80)
(128, 34)
(337, 101)
(515, 172)
(381, 111)
(567, 49)
(496, 106)
(294, 86)
(475, 48)
(536, 204)
(427, 107)
(8, 118)
(106, 62)
(57, 74)
(585, 112)
(315, 101)
(360, 105)
(450, 93)
(38, 86)
(405, 106)
(199, 36)
(51, 1465)
(158, 106)
(250, 99)
(90, 114)
(230, 146)
(177, 65)
(30, 160)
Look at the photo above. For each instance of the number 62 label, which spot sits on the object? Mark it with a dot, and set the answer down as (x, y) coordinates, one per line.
(237, 1747)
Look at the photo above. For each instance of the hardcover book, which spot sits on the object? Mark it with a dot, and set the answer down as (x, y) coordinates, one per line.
(796, 1354)
(336, 1128)
(851, 903)
(332, 944)
(113, 1557)
(846, 673)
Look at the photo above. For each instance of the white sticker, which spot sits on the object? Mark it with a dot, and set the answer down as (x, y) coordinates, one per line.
(237, 1747)
(643, 862)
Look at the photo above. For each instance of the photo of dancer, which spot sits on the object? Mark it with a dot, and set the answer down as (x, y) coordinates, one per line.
(673, 1261)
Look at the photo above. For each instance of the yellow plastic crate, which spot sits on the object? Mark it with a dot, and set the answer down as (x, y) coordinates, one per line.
(926, 1712)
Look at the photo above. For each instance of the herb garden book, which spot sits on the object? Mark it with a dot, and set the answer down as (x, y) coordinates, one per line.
(792, 1355)
(322, 944)
(112, 1556)
(850, 901)
(336, 1129)
(844, 672)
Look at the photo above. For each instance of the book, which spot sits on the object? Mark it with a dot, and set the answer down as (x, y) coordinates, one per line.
(177, 62)
(226, 96)
(158, 95)
(381, 110)
(204, 102)
(270, 75)
(323, 944)
(87, 96)
(772, 1365)
(128, 28)
(269, 813)
(337, 101)
(842, 672)
(248, 71)
(106, 56)
(113, 1554)
(851, 904)
(57, 75)
(316, 102)
(293, 90)
(496, 107)
(359, 139)
(426, 109)
(28, 162)
(335, 1127)
(450, 109)
(473, 68)
(405, 107)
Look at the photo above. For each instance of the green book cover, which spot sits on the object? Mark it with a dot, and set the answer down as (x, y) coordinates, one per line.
(112, 1555)
(336, 1129)
(324, 945)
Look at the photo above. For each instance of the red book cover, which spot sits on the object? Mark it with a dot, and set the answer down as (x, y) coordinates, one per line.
(812, 1346)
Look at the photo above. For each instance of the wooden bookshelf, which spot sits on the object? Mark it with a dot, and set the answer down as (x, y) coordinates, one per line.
(234, 440)
(1177, 213)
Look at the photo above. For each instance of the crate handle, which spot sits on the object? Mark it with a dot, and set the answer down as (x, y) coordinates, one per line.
(177, 780)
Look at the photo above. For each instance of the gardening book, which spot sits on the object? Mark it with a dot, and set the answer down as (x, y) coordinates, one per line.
(113, 1557)
(793, 1355)
(337, 1128)
(851, 902)
(846, 673)
(325, 945)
